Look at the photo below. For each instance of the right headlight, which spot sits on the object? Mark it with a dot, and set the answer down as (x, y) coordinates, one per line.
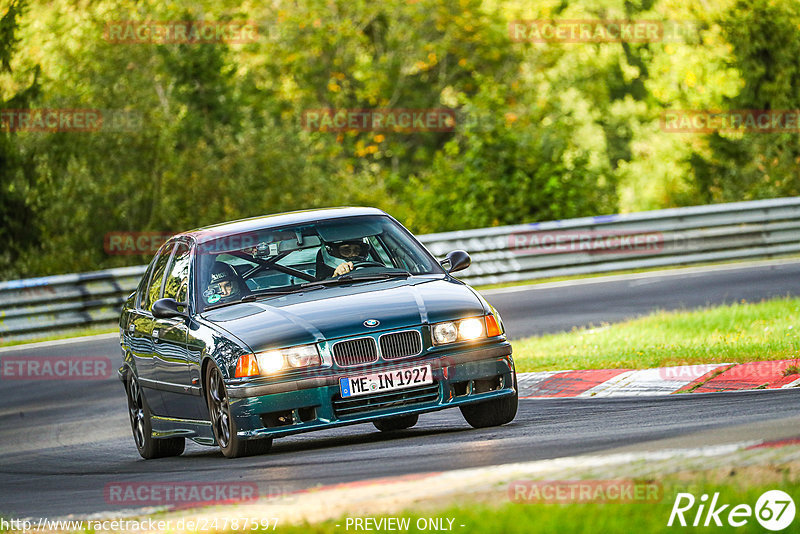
(467, 329)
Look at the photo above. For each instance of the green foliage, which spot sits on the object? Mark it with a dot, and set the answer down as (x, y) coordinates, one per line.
(16, 164)
(543, 131)
(501, 169)
(765, 37)
(8, 33)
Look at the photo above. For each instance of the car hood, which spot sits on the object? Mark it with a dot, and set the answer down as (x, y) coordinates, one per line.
(339, 311)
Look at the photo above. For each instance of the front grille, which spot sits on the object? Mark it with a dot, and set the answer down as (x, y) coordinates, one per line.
(389, 399)
(355, 352)
(400, 344)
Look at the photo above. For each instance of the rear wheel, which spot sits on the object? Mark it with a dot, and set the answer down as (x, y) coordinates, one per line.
(396, 423)
(493, 412)
(224, 425)
(139, 413)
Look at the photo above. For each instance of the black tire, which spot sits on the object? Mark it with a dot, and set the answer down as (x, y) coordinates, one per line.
(148, 447)
(396, 423)
(493, 412)
(224, 425)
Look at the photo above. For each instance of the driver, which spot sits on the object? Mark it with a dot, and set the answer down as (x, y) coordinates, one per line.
(223, 284)
(350, 251)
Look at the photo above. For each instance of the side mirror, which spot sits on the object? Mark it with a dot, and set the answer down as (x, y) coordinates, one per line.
(458, 261)
(166, 308)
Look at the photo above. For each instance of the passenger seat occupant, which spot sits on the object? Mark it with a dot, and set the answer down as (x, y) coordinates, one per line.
(223, 284)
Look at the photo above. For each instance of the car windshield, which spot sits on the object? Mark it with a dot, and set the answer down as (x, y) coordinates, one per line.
(290, 258)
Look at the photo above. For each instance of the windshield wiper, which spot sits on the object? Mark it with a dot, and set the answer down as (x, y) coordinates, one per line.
(349, 278)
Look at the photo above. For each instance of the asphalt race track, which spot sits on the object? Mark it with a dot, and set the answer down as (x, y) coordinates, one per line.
(62, 442)
(561, 306)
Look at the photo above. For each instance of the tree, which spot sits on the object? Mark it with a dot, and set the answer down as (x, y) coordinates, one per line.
(17, 225)
(765, 37)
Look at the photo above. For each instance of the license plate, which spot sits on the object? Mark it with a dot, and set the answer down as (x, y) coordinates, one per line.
(354, 386)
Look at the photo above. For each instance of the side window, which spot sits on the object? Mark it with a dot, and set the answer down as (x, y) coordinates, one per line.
(178, 275)
(153, 290)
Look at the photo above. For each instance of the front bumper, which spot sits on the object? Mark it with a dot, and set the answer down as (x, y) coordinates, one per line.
(464, 377)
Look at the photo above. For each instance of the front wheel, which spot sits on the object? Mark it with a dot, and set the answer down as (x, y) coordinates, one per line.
(396, 423)
(224, 425)
(139, 413)
(493, 412)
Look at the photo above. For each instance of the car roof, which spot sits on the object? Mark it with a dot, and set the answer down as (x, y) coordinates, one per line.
(207, 233)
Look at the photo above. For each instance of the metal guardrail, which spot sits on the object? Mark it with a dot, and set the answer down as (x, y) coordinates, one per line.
(679, 236)
(38, 306)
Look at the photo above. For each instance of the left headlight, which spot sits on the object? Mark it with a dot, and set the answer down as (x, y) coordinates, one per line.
(271, 362)
(465, 330)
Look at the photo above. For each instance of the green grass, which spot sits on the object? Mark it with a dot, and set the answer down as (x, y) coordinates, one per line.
(61, 335)
(607, 518)
(497, 514)
(737, 333)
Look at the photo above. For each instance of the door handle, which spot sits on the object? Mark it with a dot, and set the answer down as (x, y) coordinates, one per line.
(155, 333)
(132, 328)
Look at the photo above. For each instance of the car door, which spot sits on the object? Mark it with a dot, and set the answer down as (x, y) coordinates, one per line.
(180, 393)
(141, 332)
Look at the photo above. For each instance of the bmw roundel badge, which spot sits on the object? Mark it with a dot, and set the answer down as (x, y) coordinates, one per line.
(371, 322)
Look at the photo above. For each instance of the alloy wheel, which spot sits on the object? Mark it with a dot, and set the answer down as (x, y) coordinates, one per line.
(136, 411)
(219, 408)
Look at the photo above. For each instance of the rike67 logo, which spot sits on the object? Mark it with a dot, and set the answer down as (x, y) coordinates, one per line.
(774, 510)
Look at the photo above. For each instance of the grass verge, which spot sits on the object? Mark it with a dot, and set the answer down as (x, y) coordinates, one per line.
(608, 518)
(737, 333)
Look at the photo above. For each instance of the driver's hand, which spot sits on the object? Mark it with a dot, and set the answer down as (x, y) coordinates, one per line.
(345, 267)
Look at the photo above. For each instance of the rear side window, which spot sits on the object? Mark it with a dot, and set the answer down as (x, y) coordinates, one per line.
(140, 289)
(153, 290)
(178, 274)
